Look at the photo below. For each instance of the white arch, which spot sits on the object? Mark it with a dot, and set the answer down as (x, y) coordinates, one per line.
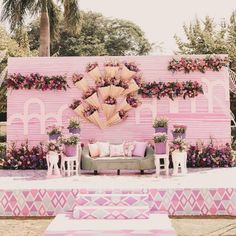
(152, 107)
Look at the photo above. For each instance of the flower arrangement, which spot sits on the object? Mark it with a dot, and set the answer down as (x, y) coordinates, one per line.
(138, 79)
(91, 97)
(132, 66)
(110, 100)
(123, 114)
(170, 89)
(132, 100)
(79, 81)
(93, 70)
(91, 66)
(54, 130)
(117, 118)
(25, 157)
(89, 110)
(179, 129)
(210, 155)
(159, 138)
(112, 63)
(53, 146)
(178, 145)
(75, 104)
(89, 93)
(188, 65)
(77, 77)
(74, 125)
(71, 140)
(129, 69)
(109, 106)
(116, 88)
(37, 81)
(91, 113)
(161, 122)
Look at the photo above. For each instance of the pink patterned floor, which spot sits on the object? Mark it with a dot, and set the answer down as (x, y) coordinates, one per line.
(200, 192)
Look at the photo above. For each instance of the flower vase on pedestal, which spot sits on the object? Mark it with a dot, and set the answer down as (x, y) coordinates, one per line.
(53, 158)
(74, 130)
(54, 136)
(179, 135)
(161, 130)
(160, 148)
(70, 150)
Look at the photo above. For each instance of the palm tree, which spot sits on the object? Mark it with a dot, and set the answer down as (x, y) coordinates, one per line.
(15, 11)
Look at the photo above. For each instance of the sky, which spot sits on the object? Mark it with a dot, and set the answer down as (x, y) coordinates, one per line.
(162, 19)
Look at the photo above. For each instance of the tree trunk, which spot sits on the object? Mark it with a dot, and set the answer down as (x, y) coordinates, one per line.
(44, 38)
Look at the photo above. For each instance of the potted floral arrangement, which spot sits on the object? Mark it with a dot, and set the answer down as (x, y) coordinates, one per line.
(160, 125)
(130, 102)
(178, 148)
(77, 107)
(53, 146)
(128, 70)
(91, 97)
(70, 144)
(74, 125)
(103, 86)
(79, 81)
(117, 118)
(111, 68)
(54, 132)
(93, 70)
(179, 131)
(91, 113)
(160, 140)
(109, 106)
(178, 145)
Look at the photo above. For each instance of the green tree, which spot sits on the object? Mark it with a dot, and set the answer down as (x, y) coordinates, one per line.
(98, 36)
(206, 37)
(16, 45)
(16, 12)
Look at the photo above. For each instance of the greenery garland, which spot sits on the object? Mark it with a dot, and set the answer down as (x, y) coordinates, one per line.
(37, 81)
(188, 65)
(170, 89)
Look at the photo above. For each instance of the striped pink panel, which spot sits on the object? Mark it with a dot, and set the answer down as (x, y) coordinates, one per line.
(206, 116)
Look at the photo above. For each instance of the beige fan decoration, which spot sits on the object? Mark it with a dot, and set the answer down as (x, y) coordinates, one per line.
(116, 82)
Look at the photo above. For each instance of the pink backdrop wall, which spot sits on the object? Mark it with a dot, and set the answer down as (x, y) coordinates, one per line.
(30, 112)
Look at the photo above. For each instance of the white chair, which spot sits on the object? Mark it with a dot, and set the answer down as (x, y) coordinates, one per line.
(73, 163)
(179, 161)
(165, 158)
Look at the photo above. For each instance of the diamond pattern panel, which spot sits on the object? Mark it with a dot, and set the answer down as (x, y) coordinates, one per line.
(45, 202)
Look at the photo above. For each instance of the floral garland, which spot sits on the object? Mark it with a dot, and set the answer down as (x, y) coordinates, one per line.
(37, 81)
(188, 65)
(171, 89)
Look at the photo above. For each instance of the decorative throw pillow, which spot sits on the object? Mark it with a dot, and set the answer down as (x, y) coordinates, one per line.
(129, 148)
(139, 149)
(104, 149)
(93, 150)
(117, 150)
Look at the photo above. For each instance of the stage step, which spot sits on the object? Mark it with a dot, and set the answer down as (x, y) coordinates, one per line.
(65, 224)
(113, 199)
(109, 205)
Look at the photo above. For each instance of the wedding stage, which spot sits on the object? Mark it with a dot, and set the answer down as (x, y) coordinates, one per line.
(200, 192)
